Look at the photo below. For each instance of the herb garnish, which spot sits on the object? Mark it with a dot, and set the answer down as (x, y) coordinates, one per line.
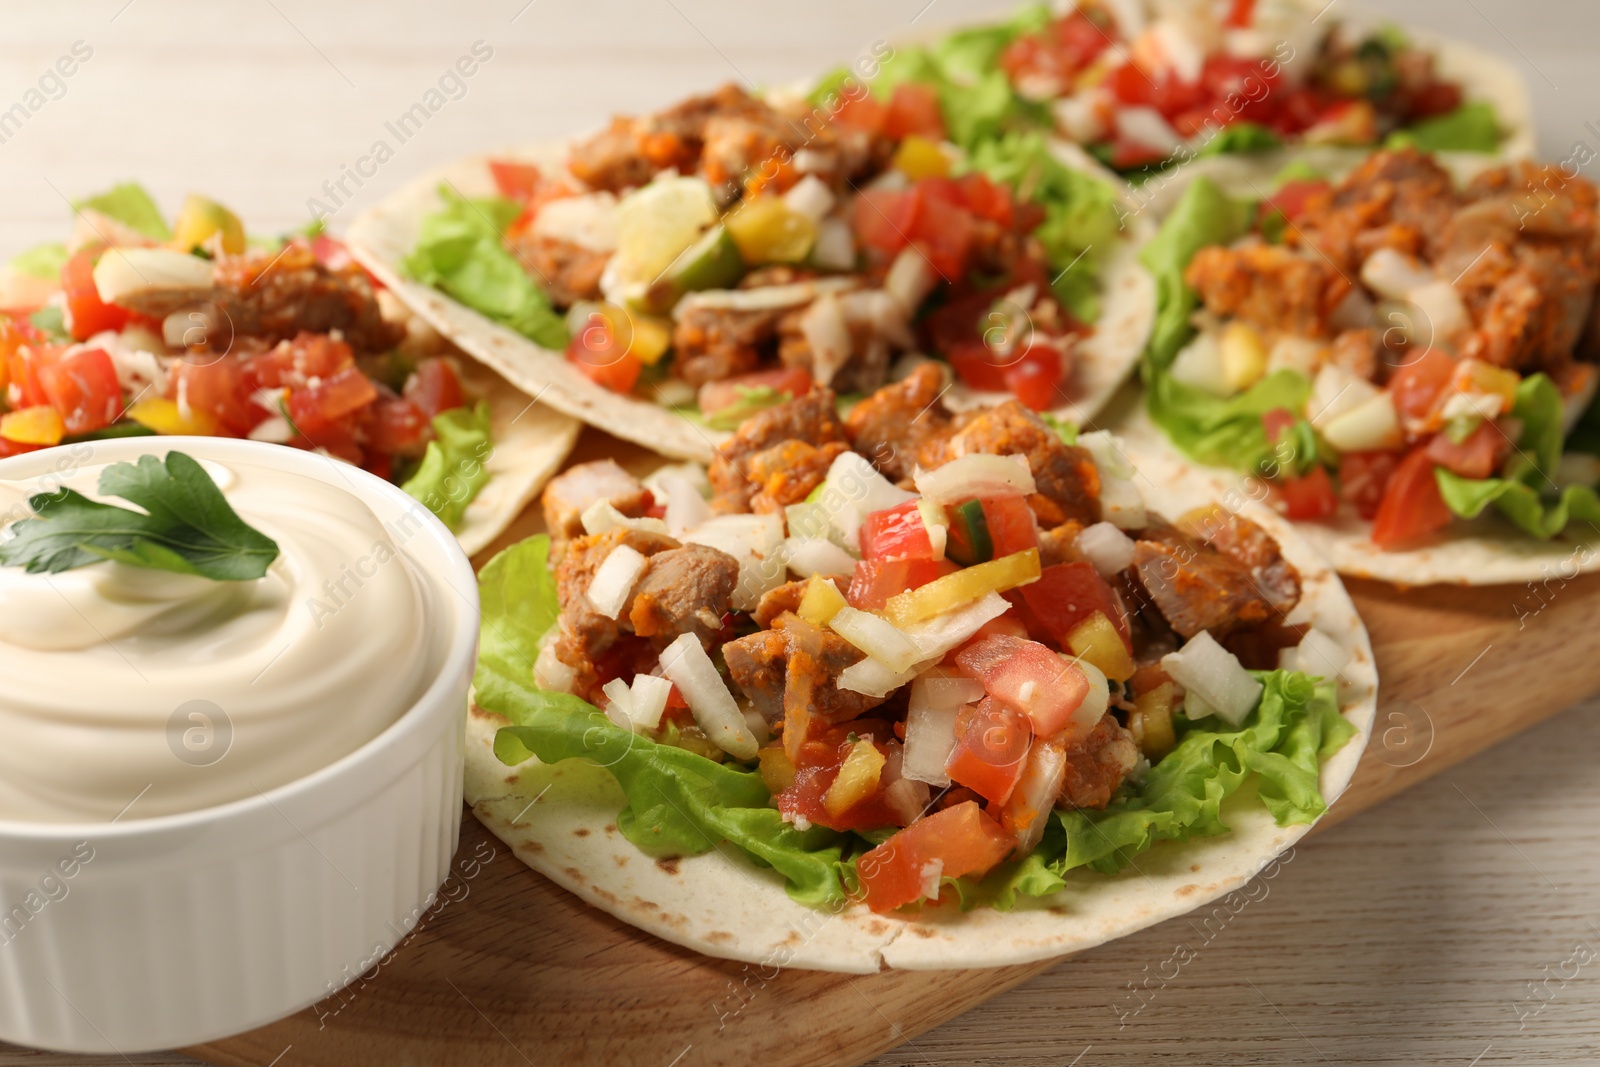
(187, 526)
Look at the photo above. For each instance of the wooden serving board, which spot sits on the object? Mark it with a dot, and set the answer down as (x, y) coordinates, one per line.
(510, 970)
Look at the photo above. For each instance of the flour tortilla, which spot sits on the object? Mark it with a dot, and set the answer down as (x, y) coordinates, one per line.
(561, 821)
(383, 236)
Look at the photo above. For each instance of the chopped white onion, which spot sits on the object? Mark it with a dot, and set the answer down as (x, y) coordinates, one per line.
(807, 522)
(753, 540)
(614, 580)
(691, 670)
(930, 738)
(1394, 274)
(619, 702)
(945, 631)
(907, 798)
(1035, 795)
(589, 221)
(877, 637)
(1299, 354)
(1122, 504)
(1108, 549)
(811, 197)
(810, 556)
(975, 475)
(1109, 457)
(871, 678)
(764, 298)
(910, 279)
(1146, 126)
(823, 326)
(879, 312)
(1335, 391)
(1318, 655)
(937, 522)
(603, 515)
(835, 247)
(932, 875)
(686, 507)
(1198, 365)
(549, 673)
(1371, 426)
(1442, 313)
(944, 691)
(1093, 708)
(1212, 674)
(649, 695)
(853, 490)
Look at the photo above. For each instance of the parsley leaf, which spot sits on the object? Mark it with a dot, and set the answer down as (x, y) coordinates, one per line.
(187, 526)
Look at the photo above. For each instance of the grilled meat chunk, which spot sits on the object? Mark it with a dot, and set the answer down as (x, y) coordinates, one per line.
(274, 296)
(684, 590)
(1269, 286)
(1274, 577)
(570, 493)
(891, 426)
(1097, 765)
(1194, 586)
(737, 474)
(1066, 479)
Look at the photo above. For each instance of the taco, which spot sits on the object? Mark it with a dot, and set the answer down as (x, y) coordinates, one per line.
(137, 327)
(1407, 360)
(1231, 88)
(674, 273)
(908, 672)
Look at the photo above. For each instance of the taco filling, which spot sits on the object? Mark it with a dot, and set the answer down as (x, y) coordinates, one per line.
(1146, 83)
(732, 251)
(906, 655)
(1392, 344)
(135, 327)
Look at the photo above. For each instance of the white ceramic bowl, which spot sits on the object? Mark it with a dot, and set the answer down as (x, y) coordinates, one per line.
(151, 934)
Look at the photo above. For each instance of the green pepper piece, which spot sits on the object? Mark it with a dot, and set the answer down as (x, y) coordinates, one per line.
(968, 541)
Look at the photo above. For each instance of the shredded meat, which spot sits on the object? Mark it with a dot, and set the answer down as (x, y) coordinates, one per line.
(1393, 199)
(571, 493)
(1195, 586)
(1097, 765)
(891, 426)
(775, 602)
(276, 295)
(812, 420)
(591, 644)
(1270, 286)
(1067, 482)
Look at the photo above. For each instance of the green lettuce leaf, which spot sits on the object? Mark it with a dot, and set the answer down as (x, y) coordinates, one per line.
(41, 261)
(973, 53)
(1472, 127)
(977, 107)
(1203, 216)
(460, 252)
(1225, 431)
(453, 470)
(1239, 138)
(1081, 222)
(132, 206)
(1526, 495)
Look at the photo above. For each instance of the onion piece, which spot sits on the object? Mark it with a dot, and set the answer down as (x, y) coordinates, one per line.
(1123, 504)
(1318, 655)
(1335, 391)
(603, 515)
(1147, 127)
(938, 635)
(753, 540)
(1108, 549)
(877, 637)
(1094, 705)
(811, 197)
(765, 298)
(549, 673)
(1106, 448)
(614, 580)
(619, 702)
(835, 246)
(975, 475)
(825, 330)
(686, 506)
(649, 695)
(1212, 674)
(1027, 812)
(930, 738)
(937, 522)
(939, 689)
(910, 279)
(811, 556)
(1394, 274)
(871, 678)
(907, 797)
(691, 670)
(853, 490)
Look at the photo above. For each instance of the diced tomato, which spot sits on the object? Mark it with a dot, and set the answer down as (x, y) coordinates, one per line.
(434, 387)
(1363, 476)
(1309, 497)
(1068, 593)
(958, 841)
(862, 112)
(714, 396)
(398, 426)
(84, 390)
(1276, 421)
(987, 199)
(1415, 387)
(1241, 13)
(1008, 625)
(23, 365)
(1131, 86)
(1435, 98)
(815, 770)
(897, 533)
(978, 366)
(1035, 379)
(298, 362)
(1081, 39)
(219, 389)
(16, 448)
(914, 110)
(87, 314)
(1478, 456)
(1228, 77)
(1027, 677)
(884, 219)
(1292, 197)
(330, 399)
(1412, 505)
(944, 234)
(1127, 155)
(1013, 527)
(516, 181)
(991, 748)
(875, 581)
(599, 356)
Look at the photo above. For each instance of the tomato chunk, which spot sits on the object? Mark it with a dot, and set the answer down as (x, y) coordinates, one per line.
(896, 533)
(914, 110)
(876, 580)
(331, 399)
(84, 390)
(1415, 387)
(1363, 476)
(1026, 676)
(398, 426)
(991, 749)
(87, 314)
(1013, 527)
(953, 843)
(1478, 456)
(1068, 593)
(515, 181)
(218, 390)
(1309, 497)
(434, 387)
(1412, 505)
(23, 366)
(816, 768)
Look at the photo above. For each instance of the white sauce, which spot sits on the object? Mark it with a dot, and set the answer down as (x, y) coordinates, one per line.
(142, 693)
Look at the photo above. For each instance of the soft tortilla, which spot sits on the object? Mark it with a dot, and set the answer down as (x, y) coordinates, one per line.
(561, 821)
(383, 236)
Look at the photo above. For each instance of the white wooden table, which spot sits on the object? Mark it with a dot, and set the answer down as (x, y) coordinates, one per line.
(1448, 927)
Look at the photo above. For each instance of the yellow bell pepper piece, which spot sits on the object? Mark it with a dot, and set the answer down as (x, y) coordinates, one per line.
(963, 587)
(1476, 376)
(166, 417)
(199, 219)
(821, 602)
(767, 231)
(918, 158)
(776, 770)
(1095, 641)
(1244, 356)
(33, 426)
(858, 778)
(1151, 721)
(648, 336)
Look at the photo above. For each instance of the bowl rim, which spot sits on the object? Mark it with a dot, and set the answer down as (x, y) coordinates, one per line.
(460, 652)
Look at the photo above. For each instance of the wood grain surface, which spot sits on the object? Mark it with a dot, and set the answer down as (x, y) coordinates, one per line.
(1442, 928)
